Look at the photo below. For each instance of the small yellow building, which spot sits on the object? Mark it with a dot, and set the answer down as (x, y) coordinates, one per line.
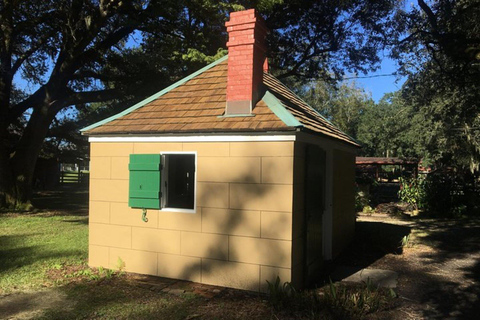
(225, 177)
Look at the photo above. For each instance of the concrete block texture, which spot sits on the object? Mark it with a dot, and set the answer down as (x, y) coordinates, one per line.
(276, 225)
(179, 267)
(133, 260)
(110, 149)
(231, 222)
(110, 235)
(155, 240)
(205, 245)
(100, 167)
(119, 167)
(109, 190)
(275, 253)
(262, 149)
(277, 170)
(156, 147)
(213, 195)
(263, 197)
(98, 256)
(99, 211)
(226, 169)
(122, 214)
(239, 236)
(208, 149)
(180, 220)
(231, 274)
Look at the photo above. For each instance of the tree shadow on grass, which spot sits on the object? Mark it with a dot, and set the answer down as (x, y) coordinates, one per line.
(118, 298)
(15, 255)
(64, 201)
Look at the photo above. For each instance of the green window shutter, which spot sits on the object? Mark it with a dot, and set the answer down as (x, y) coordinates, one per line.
(144, 183)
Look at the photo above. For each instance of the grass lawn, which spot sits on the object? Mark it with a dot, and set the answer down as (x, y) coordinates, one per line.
(30, 245)
(44, 275)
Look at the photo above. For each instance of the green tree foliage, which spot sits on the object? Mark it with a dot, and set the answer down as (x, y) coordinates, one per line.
(344, 105)
(74, 53)
(323, 39)
(77, 53)
(392, 128)
(441, 55)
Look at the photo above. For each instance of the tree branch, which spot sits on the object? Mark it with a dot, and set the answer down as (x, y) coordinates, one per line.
(80, 75)
(91, 96)
(18, 63)
(74, 98)
(34, 99)
(431, 16)
(113, 38)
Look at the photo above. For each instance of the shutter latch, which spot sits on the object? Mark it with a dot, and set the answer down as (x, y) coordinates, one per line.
(144, 215)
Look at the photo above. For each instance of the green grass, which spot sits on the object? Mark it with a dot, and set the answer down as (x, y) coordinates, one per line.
(51, 248)
(32, 244)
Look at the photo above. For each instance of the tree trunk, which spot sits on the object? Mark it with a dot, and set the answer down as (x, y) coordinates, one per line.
(18, 186)
(6, 178)
(7, 193)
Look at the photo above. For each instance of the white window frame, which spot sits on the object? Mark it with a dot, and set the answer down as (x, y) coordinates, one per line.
(164, 174)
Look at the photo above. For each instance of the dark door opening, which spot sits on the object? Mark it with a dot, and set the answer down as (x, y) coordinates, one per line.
(314, 209)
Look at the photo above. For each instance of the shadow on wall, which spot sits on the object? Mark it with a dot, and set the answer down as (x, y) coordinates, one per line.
(234, 256)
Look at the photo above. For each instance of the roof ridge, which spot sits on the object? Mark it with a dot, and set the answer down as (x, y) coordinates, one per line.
(311, 108)
(155, 96)
(291, 91)
(279, 110)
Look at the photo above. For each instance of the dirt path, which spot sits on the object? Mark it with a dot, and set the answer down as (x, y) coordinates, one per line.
(28, 305)
(439, 268)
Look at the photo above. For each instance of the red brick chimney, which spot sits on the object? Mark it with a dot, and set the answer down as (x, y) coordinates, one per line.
(246, 58)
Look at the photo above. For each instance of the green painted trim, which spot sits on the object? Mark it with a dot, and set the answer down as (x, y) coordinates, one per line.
(155, 96)
(276, 106)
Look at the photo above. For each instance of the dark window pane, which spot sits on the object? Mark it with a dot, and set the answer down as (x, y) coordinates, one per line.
(181, 181)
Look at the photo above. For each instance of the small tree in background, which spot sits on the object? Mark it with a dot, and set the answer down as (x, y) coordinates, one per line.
(412, 192)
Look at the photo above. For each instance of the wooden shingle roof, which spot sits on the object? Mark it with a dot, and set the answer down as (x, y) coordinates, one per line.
(196, 104)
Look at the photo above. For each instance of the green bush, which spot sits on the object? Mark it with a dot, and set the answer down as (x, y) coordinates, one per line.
(412, 191)
(361, 202)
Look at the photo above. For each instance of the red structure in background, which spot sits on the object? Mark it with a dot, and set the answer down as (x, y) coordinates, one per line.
(386, 169)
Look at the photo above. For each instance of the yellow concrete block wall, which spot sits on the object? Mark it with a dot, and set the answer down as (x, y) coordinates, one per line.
(240, 235)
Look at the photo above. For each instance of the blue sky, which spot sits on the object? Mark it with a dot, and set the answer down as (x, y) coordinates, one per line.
(376, 83)
(379, 85)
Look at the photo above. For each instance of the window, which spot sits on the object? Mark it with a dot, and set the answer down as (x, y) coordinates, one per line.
(178, 183)
(162, 181)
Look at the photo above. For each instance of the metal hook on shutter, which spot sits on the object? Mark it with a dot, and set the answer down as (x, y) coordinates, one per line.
(144, 215)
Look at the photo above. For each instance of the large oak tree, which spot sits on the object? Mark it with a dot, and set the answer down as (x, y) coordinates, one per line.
(75, 53)
(440, 53)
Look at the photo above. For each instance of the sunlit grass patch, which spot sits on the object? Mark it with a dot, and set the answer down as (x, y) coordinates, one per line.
(32, 244)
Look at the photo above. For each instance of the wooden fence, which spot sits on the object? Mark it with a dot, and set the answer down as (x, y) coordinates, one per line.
(74, 177)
